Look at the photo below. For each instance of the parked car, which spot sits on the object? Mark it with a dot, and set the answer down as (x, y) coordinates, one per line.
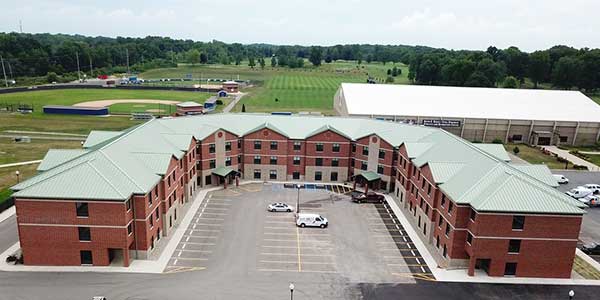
(280, 207)
(369, 197)
(595, 188)
(561, 178)
(579, 192)
(311, 220)
(590, 200)
(591, 249)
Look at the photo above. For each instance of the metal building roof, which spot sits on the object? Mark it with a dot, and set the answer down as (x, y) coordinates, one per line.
(466, 102)
(133, 161)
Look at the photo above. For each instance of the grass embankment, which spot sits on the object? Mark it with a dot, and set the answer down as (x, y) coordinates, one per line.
(536, 156)
(584, 269)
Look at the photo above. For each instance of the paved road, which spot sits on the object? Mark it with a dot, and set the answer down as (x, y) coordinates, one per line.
(8, 233)
(231, 105)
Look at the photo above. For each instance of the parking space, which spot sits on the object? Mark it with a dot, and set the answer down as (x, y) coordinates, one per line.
(202, 235)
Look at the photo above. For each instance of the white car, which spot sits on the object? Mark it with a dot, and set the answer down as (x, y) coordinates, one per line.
(590, 200)
(595, 188)
(280, 207)
(311, 220)
(579, 192)
(561, 179)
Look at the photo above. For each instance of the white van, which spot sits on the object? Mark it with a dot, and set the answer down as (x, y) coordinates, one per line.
(561, 178)
(579, 192)
(312, 220)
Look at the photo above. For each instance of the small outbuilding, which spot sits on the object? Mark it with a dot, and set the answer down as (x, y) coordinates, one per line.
(222, 93)
(231, 86)
(189, 108)
(210, 104)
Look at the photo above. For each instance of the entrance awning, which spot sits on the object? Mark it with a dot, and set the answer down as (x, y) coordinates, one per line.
(369, 176)
(223, 171)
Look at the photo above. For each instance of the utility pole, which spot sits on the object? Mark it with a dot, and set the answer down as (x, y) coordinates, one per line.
(78, 70)
(20, 26)
(91, 68)
(4, 71)
(10, 70)
(127, 53)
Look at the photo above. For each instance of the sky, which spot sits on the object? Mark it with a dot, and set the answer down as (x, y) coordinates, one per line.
(458, 24)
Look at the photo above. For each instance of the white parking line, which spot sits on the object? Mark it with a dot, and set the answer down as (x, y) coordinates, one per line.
(202, 244)
(183, 247)
(273, 227)
(199, 251)
(294, 254)
(201, 236)
(214, 208)
(279, 240)
(192, 258)
(214, 213)
(211, 225)
(209, 218)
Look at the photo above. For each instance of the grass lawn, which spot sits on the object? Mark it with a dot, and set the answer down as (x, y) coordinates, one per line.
(536, 156)
(63, 123)
(8, 177)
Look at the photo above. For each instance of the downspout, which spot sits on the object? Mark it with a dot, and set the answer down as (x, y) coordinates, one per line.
(134, 228)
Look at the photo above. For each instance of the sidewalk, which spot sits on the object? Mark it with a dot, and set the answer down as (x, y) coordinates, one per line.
(231, 105)
(571, 158)
(460, 275)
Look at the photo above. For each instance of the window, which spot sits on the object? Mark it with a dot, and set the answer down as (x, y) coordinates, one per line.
(213, 164)
(257, 174)
(469, 238)
(335, 147)
(128, 205)
(82, 209)
(239, 159)
(380, 169)
(514, 246)
(335, 162)
(130, 228)
(447, 229)
(228, 161)
(426, 209)
(443, 200)
(273, 145)
(424, 228)
(211, 148)
(440, 222)
(296, 160)
(86, 257)
(151, 221)
(150, 195)
(296, 175)
(363, 165)
(84, 234)
(510, 269)
(208, 180)
(365, 150)
(429, 189)
(437, 242)
(273, 160)
(353, 147)
(563, 139)
(318, 161)
(473, 215)
(518, 223)
(239, 142)
(445, 253)
(273, 174)
(257, 160)
(517, 137)
(352, 162)
(419, 223)
(157, 214)
(318, 176)
(297, 146)
(450, 207)
(227, 146)
(319, 147)
(333, 176)
(257, 145)
(381, 154)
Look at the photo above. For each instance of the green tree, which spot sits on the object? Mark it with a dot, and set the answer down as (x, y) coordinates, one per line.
(395, 71)
(203, 58)
(566, 72)
(516, 62)
(193, 56)
(316, 56)
(389, 79)
(516, 150)
(478, 79)
(273, 62)
(261, 62)
(510, 82)
(251, 62)
(51, 77)
(243, 107)
(539, 66)
(389, 72)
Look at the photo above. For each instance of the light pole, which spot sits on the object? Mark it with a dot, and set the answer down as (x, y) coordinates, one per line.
(292, 291)
(298, 199)
(17, 173)
(571, 294)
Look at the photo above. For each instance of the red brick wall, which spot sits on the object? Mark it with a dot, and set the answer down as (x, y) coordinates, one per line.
(266, 136)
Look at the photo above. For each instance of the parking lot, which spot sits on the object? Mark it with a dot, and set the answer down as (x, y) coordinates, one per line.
(232, 229)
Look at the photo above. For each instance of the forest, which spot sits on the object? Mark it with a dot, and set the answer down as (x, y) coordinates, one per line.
(562, 67)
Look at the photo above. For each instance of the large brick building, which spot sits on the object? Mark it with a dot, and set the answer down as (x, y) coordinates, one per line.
(112, 201)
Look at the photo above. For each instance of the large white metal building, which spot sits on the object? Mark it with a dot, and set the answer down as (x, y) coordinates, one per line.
(537, 117)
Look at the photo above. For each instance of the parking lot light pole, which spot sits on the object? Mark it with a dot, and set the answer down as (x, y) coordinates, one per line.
(291, 291)
(298, 199)
(571, 294)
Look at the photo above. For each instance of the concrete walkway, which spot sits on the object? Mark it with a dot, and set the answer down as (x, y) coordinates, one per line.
(590, 152)
(23, 163)
(571, 158)
(235, 101)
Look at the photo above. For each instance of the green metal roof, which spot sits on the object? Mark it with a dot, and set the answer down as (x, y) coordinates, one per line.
(369, 176)
(223, 171)
(119, 164)
(55, 157)
(540, 172)
(496, 150)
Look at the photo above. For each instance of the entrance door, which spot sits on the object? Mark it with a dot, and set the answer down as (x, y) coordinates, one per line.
(483, 264)
(543, 141)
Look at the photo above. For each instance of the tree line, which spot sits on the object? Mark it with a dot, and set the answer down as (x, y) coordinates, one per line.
(560, 66)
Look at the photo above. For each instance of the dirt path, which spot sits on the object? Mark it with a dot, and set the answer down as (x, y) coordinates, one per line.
(104, 103)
